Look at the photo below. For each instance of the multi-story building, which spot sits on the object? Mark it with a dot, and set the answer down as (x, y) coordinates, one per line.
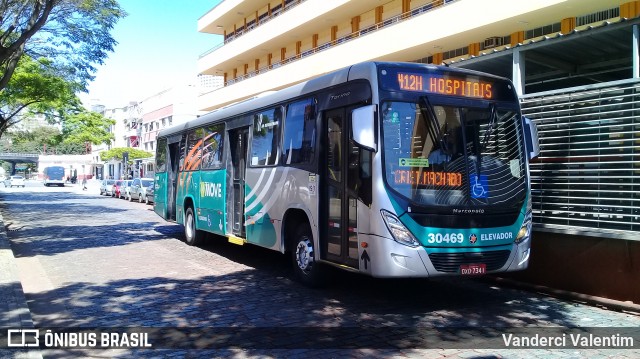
(167, 108)
(125, 118)
(575, 63)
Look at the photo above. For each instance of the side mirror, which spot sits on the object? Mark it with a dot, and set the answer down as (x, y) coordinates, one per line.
(363, 127)
(532, 143)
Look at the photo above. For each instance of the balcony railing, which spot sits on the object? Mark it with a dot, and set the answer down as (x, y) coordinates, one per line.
(253, 25)
(386, 23)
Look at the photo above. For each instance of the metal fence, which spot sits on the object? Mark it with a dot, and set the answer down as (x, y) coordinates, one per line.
(587, 178)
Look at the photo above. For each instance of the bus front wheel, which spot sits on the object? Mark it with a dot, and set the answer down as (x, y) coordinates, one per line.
(306, 269)
(193, 237)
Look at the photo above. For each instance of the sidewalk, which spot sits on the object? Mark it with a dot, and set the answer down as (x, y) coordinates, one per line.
(14, 312)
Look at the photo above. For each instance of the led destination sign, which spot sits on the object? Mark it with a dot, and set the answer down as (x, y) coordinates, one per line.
(428, 178)
(444, 85)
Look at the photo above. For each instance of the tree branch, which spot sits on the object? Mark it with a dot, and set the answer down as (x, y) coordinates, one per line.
(35, 23)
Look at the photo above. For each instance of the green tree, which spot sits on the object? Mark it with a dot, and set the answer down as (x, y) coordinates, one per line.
(116, 154)
(39, 140)
(35, 89)
(52, 46)
(73, 33)
(87, 127)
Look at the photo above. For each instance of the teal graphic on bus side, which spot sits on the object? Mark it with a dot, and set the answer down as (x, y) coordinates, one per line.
(160, 196)
(259, 228)
(212, 207)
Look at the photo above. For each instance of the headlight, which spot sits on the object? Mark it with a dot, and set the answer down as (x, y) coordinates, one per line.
(525, 230)
(398, 231)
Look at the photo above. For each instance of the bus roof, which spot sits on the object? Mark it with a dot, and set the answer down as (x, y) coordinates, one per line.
(363, 70)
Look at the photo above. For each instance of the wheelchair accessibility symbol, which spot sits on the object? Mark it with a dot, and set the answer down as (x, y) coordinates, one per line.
(479, 186)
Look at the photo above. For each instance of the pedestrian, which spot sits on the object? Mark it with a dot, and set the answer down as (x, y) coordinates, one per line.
(84, 184)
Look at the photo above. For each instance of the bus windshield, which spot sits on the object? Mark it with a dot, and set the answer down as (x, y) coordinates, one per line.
(441, 155)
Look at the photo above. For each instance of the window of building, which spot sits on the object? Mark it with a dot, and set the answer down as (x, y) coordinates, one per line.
(543, 30)
(213, 145)
(265, 145)
(299, 132)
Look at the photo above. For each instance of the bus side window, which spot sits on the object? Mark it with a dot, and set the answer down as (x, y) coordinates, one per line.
(299, 132)
(265, 144)
(213, 145)
(194, 150)
(161, 156)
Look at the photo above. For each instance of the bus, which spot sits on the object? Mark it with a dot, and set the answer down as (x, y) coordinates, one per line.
(385, 169)
(53, 175)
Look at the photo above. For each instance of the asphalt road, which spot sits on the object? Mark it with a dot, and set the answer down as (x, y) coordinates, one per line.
(88, 261)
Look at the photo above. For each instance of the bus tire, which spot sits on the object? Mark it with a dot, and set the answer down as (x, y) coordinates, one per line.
(305, 268)
(192, 236)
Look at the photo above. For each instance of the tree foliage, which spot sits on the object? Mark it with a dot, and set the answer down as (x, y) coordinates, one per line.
(35, 89)
(39, 140)
(48, 53)
(75, 34)
(87, 127)
(116, 154)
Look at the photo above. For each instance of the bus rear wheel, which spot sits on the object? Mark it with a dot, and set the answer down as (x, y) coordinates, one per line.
(192, 236)
(306, 269)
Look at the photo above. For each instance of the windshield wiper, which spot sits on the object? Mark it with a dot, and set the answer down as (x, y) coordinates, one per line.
(487, 134)
(433, 127)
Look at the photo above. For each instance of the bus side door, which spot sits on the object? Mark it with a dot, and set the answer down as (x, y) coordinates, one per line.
(238, 139)
(343, 190)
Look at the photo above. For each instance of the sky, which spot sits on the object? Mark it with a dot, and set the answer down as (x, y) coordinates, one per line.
(158, 47)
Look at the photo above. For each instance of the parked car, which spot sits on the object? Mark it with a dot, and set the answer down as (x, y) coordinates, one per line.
(139, 188)
(17, 181)
(149, 193)
(106, 187)
(124, 189)
(116, 188)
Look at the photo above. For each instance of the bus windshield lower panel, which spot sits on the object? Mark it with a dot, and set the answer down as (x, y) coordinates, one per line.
(443, 156)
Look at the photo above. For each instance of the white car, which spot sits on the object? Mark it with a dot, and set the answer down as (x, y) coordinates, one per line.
(17, 181)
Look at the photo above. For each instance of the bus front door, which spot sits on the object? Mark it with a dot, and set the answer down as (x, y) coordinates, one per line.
(172, 179)
(339, 206)
(235, 207)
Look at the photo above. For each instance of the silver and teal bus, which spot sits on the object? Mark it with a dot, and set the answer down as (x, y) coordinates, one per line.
(386, 169)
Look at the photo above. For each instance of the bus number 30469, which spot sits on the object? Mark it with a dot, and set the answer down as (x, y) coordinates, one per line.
(446, 238)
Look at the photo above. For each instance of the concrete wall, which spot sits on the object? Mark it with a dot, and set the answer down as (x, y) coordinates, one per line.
(604, 267)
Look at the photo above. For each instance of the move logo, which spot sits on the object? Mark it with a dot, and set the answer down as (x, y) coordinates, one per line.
(208, 189)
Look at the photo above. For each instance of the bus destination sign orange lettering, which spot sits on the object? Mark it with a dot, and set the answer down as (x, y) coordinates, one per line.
(465, 87)
(428, 178)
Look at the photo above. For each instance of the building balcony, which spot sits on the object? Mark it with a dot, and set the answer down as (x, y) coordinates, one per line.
(298, 19)
(422, 32)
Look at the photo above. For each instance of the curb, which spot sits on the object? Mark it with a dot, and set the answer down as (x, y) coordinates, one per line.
(568, 295)
(14, 311)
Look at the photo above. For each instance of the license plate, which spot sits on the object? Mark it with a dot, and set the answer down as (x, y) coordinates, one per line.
(473, 269)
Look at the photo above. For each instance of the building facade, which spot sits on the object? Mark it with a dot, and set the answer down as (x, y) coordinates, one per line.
(575, 64)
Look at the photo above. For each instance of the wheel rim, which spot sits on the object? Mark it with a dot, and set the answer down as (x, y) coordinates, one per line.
(304, 255)
(189, 227)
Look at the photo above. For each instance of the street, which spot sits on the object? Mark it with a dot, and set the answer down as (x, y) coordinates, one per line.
(86, 260)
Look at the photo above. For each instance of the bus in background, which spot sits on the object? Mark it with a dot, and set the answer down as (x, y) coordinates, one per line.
(386, 169)
(54, 175)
